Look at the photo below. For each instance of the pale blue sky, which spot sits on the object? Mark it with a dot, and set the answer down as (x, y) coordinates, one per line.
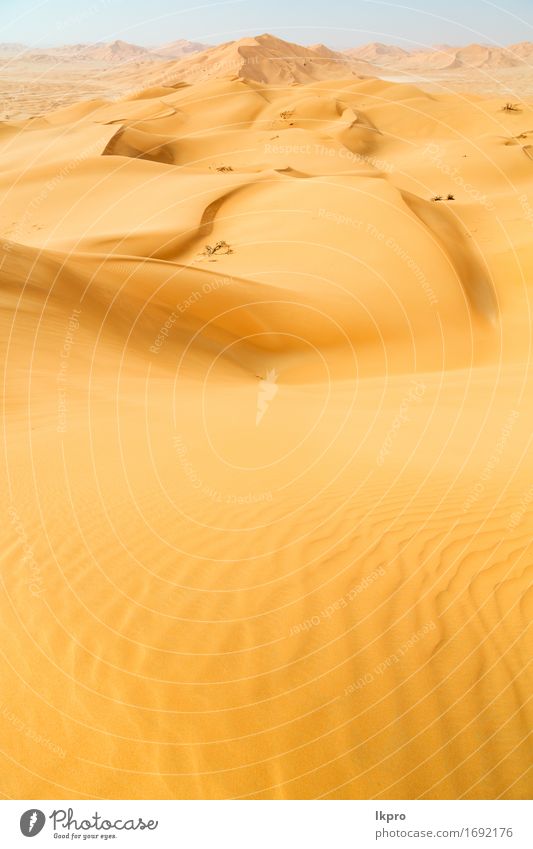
(338, 23)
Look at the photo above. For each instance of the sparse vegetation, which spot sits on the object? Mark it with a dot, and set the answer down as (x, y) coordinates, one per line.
(224, 168)
(286, 114)
(436, 198)
(450, 197)
(511, 107)
(219, 248)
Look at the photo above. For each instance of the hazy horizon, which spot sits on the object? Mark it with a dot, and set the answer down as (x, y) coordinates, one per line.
(155, 45)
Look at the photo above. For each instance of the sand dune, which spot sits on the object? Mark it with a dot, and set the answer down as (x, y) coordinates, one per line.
(265, 59)
(100, 53)
(179, 48)
(108, 52)
(445, 57)
(267, 414)
(380, 54)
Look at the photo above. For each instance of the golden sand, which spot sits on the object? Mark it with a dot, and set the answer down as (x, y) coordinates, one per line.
(267, 489)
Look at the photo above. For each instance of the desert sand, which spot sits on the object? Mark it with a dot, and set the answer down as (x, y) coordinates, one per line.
(267, 497)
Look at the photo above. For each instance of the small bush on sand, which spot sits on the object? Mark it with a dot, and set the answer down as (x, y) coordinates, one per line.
(511, 107)
(219, 248)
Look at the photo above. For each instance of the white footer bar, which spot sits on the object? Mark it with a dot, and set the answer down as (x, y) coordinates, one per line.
(268, 824)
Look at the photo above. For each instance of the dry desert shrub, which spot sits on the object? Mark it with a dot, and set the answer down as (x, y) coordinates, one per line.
(218, 248)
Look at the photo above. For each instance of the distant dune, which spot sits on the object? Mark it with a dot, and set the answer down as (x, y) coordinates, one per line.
(378, 53)
(445, 58)
(268, 47)
(263, 59)
(177, 49)
(116, 51)
(104, 53)
(12, 49)
(266, 58)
